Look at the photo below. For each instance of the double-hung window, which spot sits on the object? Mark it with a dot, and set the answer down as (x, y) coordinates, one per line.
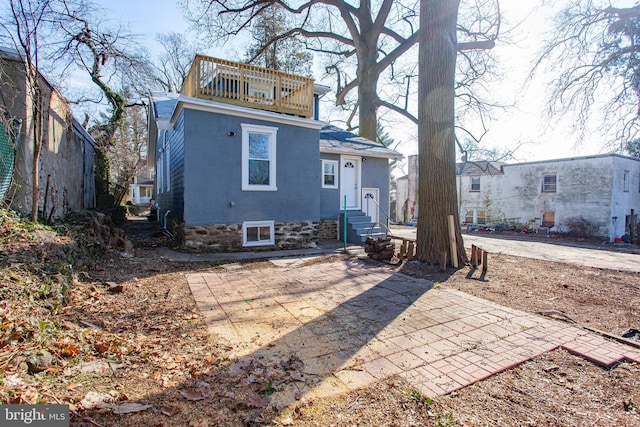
(475, 184)
(549, 183)
(258, 158)
(329, 174)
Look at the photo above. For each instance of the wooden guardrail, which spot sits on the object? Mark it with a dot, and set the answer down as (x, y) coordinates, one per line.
(249, 86)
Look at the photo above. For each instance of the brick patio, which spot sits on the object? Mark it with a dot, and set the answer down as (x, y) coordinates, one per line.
(352, 323)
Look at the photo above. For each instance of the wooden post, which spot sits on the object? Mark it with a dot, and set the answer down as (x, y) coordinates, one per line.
(485, 261)
(410, 252)
(474, 256)
(452, 242)
(479, 256)
(403, 249)
(443, 262)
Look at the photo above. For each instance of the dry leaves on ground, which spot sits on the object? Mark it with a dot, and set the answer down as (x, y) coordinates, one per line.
(143, 356)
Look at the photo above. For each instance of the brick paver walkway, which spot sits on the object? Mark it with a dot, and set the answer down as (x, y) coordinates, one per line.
(352, 323)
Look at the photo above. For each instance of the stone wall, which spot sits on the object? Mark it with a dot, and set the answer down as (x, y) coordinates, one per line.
(328, 229)
(228, 237)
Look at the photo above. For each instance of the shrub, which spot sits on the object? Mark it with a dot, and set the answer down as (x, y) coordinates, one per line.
(581, 227)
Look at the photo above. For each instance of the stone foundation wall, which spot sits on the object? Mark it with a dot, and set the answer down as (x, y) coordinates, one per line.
(328, 229)
(228, 237)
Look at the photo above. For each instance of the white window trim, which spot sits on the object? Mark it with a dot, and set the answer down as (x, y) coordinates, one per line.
(250, 224)
(336, 165)
(471, 185)
(265, 130)
(555, 190)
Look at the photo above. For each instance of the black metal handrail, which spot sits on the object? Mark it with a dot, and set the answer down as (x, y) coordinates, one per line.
(370, 196)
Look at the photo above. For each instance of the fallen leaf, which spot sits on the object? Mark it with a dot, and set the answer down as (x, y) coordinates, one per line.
(70, 351)
(258, 402)
(101, 347)
(226, 393)
(192, 395)
(287, 421)
(241, 366)
(168, 382)
(297, 376)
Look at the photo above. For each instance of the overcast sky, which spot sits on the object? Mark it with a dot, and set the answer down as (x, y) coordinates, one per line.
(524, 123)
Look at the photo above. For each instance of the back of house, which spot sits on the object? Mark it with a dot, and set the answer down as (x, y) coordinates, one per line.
(240, 164)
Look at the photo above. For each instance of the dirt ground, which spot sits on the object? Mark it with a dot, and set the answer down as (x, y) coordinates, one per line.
(119, 339)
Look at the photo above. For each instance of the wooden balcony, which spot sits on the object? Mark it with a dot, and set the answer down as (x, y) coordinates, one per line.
(249, 86)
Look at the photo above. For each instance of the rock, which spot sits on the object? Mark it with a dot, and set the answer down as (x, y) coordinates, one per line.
(93, 399)
(115, 289)
(39, 361)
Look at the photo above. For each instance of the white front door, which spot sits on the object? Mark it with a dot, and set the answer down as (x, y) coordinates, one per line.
(370, 202)
(350, 182)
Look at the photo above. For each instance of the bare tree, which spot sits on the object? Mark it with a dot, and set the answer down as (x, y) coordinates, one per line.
(370, 37)
(129, 148)
(595, 54)
(174, 61)
(24, 26)
(110, 56)
(287, 55)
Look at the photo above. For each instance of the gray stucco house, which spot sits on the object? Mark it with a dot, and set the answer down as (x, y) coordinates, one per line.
(243, 163)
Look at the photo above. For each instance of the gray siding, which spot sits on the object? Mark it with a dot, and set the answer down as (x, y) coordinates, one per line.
(213, 173)
(375, 174)
(329, 197)
(173, 199)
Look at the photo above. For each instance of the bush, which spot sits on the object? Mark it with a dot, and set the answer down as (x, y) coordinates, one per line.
(581, 227)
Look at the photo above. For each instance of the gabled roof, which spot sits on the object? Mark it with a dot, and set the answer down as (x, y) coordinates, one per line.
(338, 141)
(479, 167)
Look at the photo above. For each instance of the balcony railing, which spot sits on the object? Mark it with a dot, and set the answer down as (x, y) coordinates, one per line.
(249, 86)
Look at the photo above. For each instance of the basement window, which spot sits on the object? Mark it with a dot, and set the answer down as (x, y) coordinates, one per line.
(257, 233)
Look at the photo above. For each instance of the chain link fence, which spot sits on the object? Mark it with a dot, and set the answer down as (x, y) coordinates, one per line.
(7, 159)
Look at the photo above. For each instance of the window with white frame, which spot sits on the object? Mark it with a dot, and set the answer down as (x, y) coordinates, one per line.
(258, 158)
(475, 183)
(257, 233)
(549, 183)
(625, 182)
(329, 174)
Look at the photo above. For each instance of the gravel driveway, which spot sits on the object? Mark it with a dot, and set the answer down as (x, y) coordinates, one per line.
(590, 257)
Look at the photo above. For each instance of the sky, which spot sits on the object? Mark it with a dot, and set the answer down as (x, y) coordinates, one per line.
(525, 124)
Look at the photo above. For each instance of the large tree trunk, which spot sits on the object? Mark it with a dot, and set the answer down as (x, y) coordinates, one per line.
(437, 198)
(367, 109)
(367, 95)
